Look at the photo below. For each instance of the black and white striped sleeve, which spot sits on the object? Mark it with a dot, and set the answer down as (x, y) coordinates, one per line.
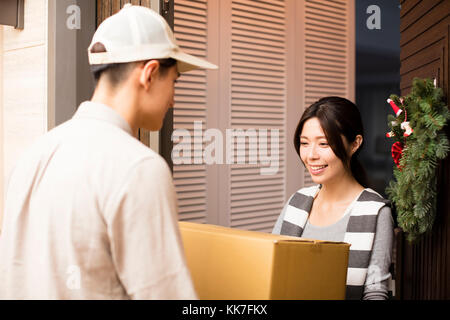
(378, 276)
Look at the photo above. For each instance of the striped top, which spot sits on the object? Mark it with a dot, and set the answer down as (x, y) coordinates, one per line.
(357, 227)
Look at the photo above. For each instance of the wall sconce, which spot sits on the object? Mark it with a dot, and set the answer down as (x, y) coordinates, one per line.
(12, 13)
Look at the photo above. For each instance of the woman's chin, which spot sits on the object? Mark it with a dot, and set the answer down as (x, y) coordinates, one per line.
(318, 179)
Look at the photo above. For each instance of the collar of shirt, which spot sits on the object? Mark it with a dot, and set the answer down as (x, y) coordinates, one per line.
(98, 111)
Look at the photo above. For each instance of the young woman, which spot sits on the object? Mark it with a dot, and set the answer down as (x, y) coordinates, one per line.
(340, 207)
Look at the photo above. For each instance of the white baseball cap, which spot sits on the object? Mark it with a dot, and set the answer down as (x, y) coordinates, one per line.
(138, 33)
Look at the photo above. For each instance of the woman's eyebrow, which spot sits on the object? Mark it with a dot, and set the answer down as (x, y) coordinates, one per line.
(319, 137)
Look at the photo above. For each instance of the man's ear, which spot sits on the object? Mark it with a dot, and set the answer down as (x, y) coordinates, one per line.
(148, 72)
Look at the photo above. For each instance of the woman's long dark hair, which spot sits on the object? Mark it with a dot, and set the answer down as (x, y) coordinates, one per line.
(338, 117)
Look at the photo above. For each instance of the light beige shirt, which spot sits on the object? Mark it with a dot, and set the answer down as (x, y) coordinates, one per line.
(91, 213)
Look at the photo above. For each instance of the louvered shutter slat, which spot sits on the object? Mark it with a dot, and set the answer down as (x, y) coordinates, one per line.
(256, 103)
(258, 8)
(188, 12)
(189, 3)
(186, 23)
(187, 190)
(191, 85)
(198, 20)
(254, 79)
(181, 31)
(321, 14)
(242, 21)
(256, 34)
(254, 89)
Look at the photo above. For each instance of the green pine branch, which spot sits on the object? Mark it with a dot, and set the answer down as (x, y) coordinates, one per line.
(413, 189)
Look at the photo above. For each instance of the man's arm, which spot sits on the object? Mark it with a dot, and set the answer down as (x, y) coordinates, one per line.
(146, 246)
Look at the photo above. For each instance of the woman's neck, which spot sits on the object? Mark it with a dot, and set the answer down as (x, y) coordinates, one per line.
(340, 190)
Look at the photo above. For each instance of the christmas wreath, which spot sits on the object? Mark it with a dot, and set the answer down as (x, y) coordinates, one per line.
(419, 143)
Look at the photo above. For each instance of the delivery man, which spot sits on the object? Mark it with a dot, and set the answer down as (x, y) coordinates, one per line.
(90, 211)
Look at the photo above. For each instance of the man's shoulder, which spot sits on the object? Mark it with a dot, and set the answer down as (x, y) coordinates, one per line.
(100, 146)
(148, 157)
(109, 141)
(136, 157)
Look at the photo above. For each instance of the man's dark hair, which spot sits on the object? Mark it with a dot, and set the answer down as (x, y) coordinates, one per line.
(118, 72)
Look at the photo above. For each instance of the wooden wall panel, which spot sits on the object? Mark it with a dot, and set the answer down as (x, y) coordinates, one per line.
(2, 186)
(106, 8)
(429, 17)
(23, 80)
(34, 32)
(423, 268)
(424, 42)
(421, 6)
(407, 6)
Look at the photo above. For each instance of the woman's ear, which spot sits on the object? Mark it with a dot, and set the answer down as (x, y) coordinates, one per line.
(356, 144)
(148, 72)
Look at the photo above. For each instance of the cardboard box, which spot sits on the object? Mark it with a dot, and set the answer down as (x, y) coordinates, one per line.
(232, 264)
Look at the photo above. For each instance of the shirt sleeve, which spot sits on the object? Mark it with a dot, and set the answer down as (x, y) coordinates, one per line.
(378, 275)
(145, 241)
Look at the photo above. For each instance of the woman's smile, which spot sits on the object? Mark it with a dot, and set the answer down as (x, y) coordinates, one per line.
(316, 170)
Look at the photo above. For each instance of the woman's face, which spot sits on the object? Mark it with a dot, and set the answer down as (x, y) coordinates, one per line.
(318, 157)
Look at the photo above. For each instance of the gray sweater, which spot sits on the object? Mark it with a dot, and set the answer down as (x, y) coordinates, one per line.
(376, 287)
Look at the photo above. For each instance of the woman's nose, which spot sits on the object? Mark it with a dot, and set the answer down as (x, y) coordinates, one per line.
(312, 152)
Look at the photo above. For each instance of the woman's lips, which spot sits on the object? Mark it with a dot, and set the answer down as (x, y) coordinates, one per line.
(317, 169)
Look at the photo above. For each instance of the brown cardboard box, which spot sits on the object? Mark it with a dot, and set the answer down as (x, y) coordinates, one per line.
(232, 264)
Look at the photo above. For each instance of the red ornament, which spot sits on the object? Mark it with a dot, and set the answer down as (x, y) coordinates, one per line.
(396, 109)
(397, 153)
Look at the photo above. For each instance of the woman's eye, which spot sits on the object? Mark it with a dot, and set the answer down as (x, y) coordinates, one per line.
(303, 143)
(323, 144)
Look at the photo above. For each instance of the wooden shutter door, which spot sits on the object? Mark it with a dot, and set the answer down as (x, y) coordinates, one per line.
(328, 50)
(258, 82)
(190, 28)
(251, 94)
